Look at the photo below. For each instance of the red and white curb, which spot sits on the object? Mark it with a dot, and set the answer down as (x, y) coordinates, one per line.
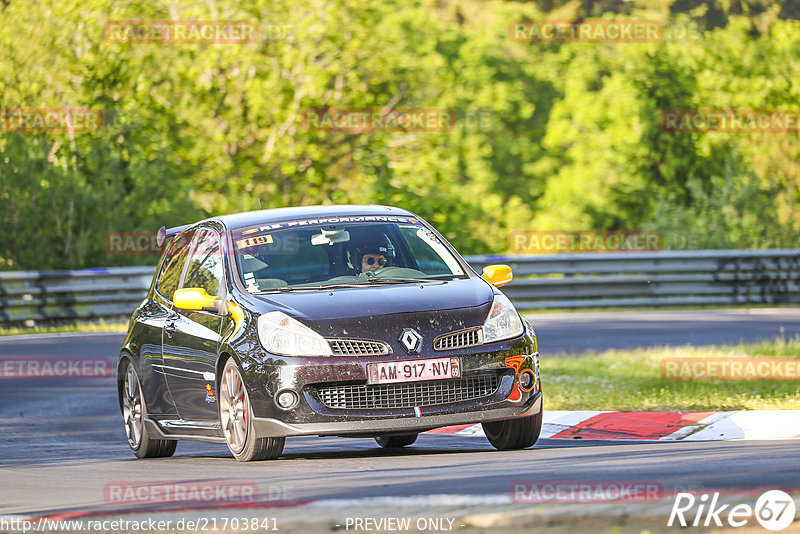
(663, 426)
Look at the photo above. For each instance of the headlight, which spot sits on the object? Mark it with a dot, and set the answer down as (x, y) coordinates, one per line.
(280, 334)
(503, 321)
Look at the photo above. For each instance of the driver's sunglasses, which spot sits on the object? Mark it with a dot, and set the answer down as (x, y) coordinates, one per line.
(371, 261)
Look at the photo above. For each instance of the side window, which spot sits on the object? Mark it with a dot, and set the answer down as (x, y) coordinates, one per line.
(174, 260)
(205, 265)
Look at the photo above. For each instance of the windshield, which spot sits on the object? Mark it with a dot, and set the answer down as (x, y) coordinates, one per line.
(335, 252)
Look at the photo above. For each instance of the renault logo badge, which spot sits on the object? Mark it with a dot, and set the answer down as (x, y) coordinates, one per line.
(411, 340)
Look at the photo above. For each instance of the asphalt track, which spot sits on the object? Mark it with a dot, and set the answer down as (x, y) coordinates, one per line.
(62, 442)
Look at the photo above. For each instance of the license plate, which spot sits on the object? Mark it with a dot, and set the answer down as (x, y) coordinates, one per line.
(413, 371)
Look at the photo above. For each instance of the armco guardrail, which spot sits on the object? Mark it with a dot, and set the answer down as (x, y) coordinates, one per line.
(669, 278)
(45, 296)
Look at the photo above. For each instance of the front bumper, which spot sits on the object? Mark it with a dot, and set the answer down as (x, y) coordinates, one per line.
(314, 415)
(268, 427)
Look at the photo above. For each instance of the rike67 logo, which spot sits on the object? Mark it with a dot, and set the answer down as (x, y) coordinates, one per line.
(774, 510)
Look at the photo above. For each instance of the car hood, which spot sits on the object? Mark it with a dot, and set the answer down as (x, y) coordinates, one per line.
(353, 303)
(384, 312)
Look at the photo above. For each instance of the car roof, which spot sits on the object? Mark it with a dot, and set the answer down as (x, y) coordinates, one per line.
(249, 218)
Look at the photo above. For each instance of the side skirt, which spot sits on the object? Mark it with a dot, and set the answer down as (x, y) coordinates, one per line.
(185, 430)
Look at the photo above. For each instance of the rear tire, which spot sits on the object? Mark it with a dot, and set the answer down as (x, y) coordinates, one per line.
(511, 434)
(236, 420)
(396, 442)
(134, 412)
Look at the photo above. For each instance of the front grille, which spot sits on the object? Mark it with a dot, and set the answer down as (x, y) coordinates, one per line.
(459, 340)
(358, 347)
(408, 395)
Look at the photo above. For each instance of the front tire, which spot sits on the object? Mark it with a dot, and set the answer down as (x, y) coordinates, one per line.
(134, 413)
(511, 434)
(236, 420)
(396, 442)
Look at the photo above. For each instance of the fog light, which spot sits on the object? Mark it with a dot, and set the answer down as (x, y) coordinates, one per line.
(287, 399)
(526, 380)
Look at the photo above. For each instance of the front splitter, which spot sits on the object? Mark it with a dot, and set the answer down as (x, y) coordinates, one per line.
(273, 428)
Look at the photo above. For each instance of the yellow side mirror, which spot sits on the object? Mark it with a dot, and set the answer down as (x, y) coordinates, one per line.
(197, 299)
(194, 298)
(497, 275)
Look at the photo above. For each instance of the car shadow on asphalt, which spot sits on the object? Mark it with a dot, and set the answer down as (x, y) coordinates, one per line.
(329, 448)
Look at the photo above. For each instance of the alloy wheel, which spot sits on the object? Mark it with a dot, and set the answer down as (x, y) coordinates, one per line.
(233, 409)
(132, 409)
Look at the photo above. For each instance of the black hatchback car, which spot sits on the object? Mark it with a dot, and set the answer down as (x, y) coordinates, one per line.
(358, 321)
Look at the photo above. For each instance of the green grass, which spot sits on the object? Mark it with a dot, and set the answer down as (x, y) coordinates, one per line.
(99, 326)
(630, 380)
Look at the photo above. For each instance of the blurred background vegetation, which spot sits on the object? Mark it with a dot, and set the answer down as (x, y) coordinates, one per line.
(550, 136)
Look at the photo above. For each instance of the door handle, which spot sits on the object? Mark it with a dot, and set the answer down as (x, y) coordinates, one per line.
(170, 328)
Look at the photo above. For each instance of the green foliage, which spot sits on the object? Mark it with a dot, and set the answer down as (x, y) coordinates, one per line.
(548, 136)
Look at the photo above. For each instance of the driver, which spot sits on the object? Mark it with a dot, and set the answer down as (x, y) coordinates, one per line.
(372, 261)
(374, 255)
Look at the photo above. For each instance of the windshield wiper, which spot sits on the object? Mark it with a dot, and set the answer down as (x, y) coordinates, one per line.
(372, 281)
(399, 280)
(342, 285)
(285, 289)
